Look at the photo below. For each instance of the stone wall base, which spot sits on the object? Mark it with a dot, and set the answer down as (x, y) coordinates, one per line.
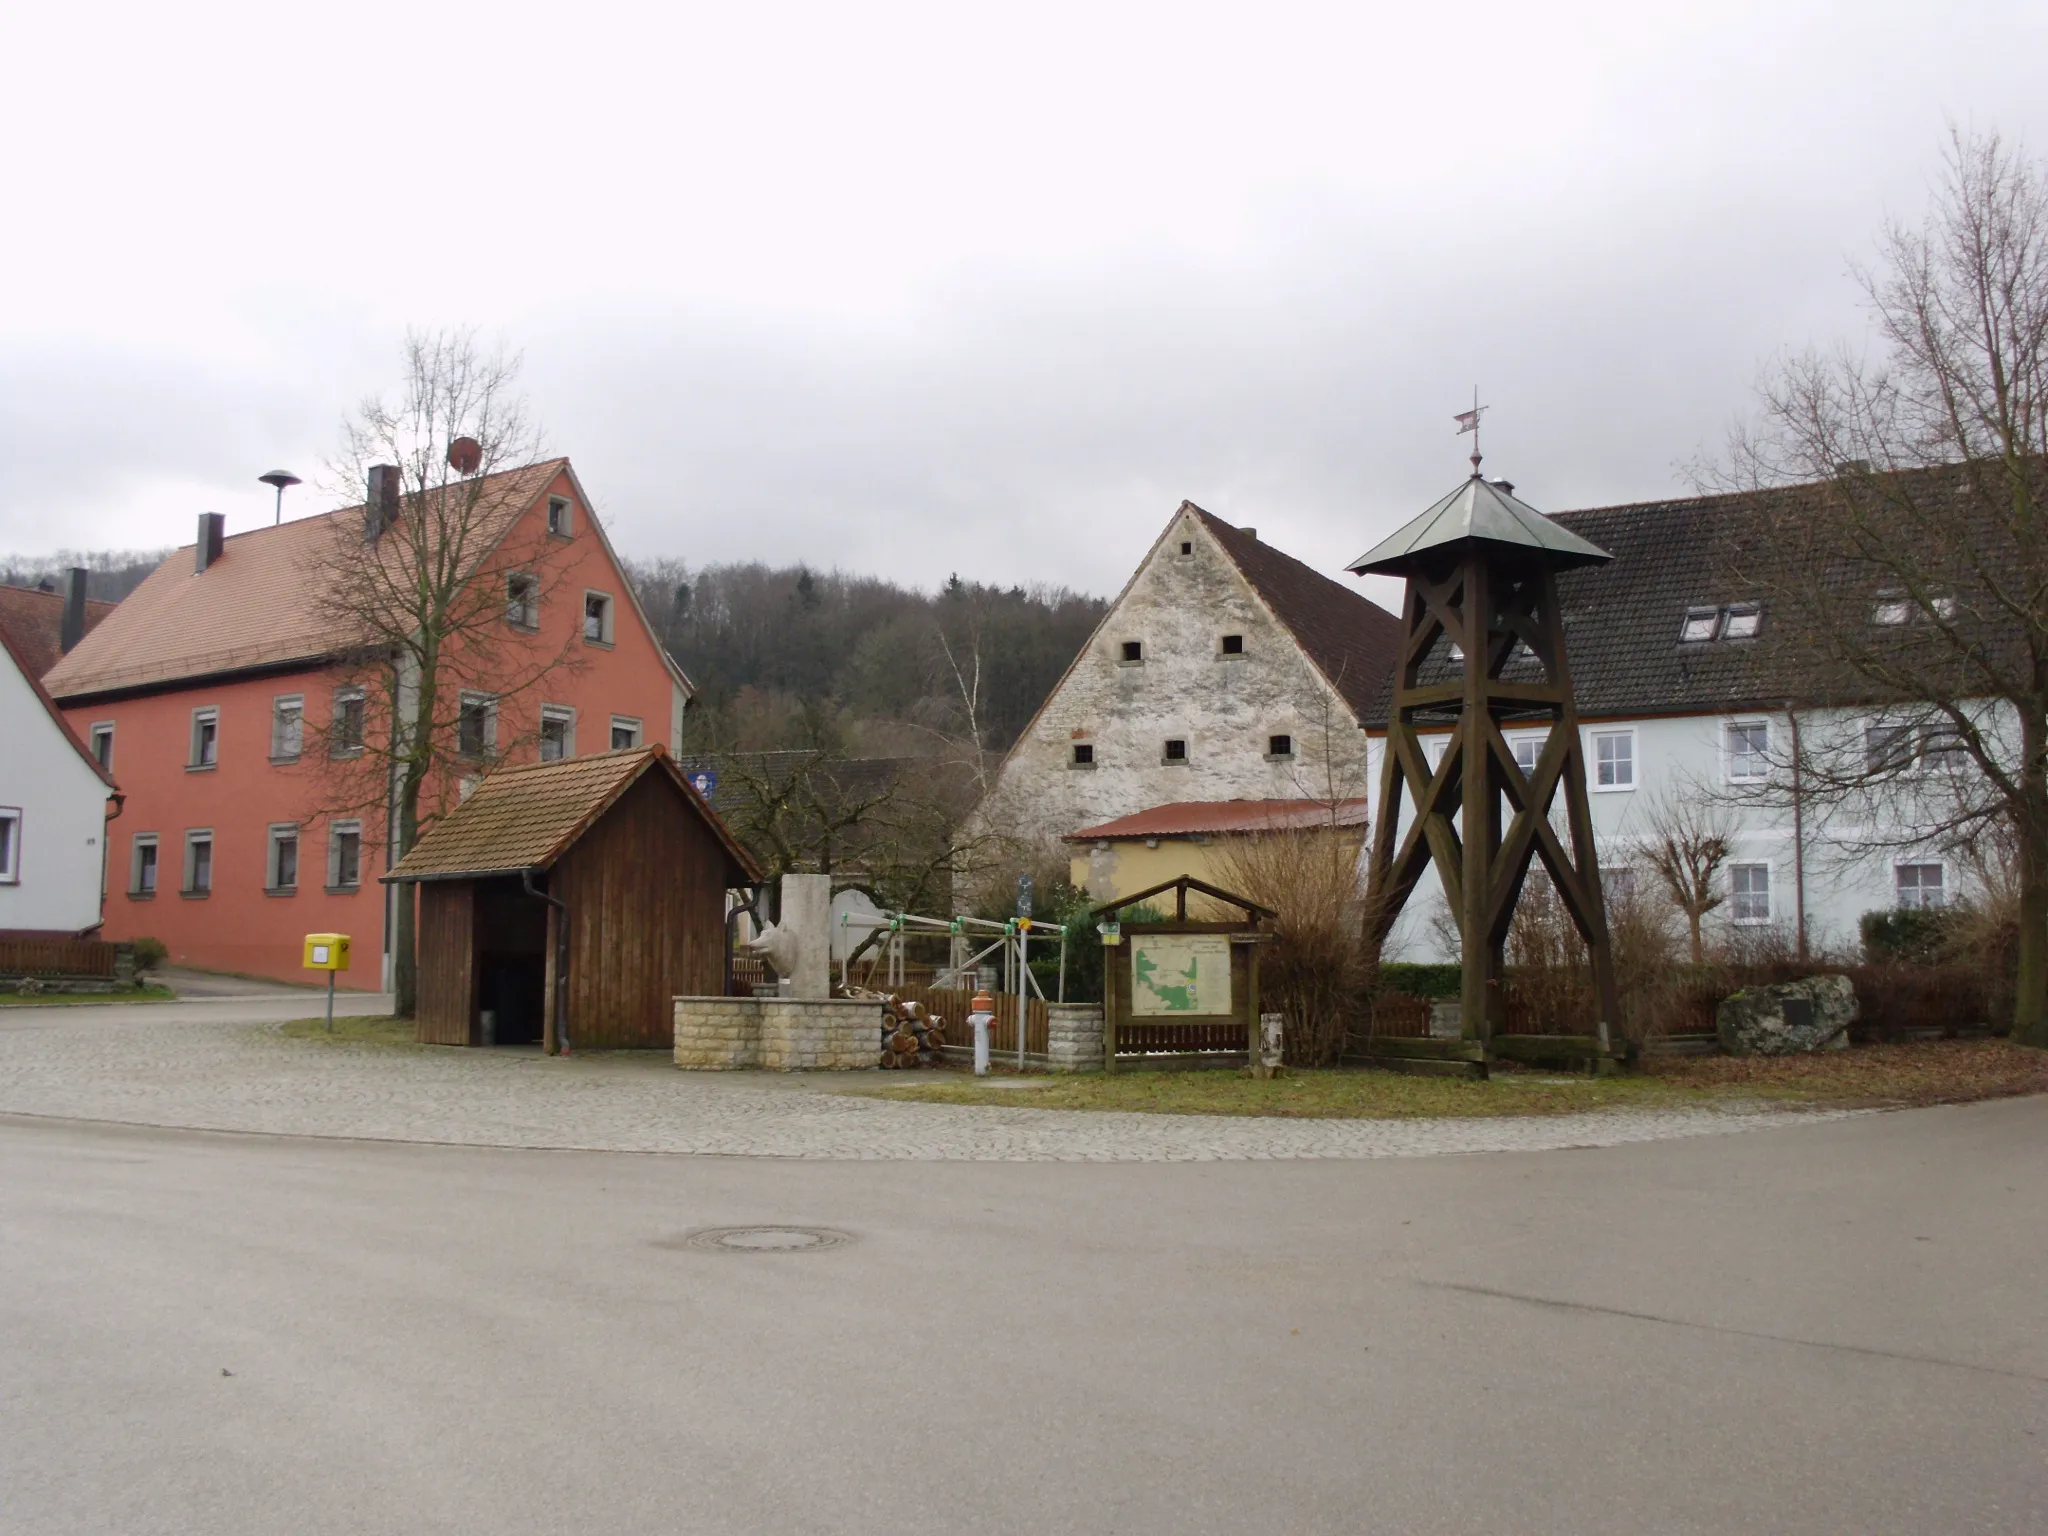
(777, 1034)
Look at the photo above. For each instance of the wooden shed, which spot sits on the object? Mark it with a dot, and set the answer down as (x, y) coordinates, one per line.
(572, 901)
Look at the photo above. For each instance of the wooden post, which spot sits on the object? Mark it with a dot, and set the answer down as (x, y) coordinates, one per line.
(548, 1043)
(1111, 965)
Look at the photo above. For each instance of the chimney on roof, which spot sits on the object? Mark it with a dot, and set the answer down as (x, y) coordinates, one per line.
(381, 510)
(212, 528)
(1506, 485)
(73, 628)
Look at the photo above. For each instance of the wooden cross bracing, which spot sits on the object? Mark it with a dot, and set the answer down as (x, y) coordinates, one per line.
(1487, 606)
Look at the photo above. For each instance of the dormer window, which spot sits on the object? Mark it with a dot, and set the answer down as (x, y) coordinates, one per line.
(1701, 625)
(1742, 622)
(1233, 645)
(1134, 650)
(1892, 610)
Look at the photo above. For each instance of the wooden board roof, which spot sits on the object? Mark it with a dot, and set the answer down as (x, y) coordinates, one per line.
(528, 817)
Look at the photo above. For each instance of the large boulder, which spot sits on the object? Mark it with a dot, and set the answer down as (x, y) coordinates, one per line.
(1813, 1014)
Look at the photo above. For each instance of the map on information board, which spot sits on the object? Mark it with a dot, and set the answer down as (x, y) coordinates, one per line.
(1180, 973)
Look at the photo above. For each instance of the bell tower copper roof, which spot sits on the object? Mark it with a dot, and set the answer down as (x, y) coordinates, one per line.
(1480, 511)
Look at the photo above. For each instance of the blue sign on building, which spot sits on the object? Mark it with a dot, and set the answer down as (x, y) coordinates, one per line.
(705, 782)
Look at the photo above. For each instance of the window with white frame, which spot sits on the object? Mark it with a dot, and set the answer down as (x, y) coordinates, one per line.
(10, 845)
(476, 725)
(558, 516)
(1743, 621)
(205, 752)
(1618, 882)
(1749, 750)
(1887, 748)
(142, 864)
(1942, 749)
(522, 601)
(625, 732)
(198, 863)
(1527, 750)
(103, 744)
(557, 732)
(1433, 750)
(281, 859)
(1749, 893)
(597, 618)
(1891, 609)
(1920, 885)
(344, 855)
(1614, 759)
(287, 727)
(351, 714)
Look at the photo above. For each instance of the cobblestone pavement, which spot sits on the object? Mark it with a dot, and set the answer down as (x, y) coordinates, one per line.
(223, 1066)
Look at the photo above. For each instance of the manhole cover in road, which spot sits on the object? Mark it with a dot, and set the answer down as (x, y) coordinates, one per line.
(765, 1239)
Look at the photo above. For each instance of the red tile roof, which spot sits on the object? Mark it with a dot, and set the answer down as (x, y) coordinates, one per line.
(528, 817)
(1190, 817)
(252, 608)
(33, 621)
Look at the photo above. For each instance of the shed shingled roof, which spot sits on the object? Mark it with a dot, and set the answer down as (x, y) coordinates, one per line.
(1351, 639)
(528, 817)
(253, 607)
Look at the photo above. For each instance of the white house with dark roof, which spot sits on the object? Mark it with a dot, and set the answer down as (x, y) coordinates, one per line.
(1225, 670)
(1683, 697)
(54, 803)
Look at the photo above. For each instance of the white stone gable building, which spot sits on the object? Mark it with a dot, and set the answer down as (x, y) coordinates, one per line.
(53, 811)
(1224, 670)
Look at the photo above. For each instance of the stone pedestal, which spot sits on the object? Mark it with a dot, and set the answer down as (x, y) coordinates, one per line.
(1074, 1037)
(775, 1034)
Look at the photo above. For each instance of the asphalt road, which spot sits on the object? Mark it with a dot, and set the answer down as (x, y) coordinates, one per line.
(1832, 1328)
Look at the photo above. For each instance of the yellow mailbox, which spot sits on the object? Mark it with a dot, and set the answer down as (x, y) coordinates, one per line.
(326, 951)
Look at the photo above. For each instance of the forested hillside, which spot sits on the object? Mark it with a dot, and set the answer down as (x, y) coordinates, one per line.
(111, 574)
(790, 657)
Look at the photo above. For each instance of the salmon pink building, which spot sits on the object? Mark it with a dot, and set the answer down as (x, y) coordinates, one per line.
(239, 707)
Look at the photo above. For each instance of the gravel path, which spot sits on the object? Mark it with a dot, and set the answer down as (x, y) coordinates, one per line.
(222, 1066)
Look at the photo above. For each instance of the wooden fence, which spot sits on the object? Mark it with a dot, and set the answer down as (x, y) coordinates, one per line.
(1134, 1038)
(952, 1006)
(56, 957)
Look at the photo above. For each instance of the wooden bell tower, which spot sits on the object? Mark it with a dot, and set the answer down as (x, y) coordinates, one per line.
(1485, 649)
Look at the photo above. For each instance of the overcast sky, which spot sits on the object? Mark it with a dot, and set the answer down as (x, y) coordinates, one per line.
(920, 288)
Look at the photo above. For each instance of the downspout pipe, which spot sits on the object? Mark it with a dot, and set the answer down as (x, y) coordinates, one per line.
(561, 997)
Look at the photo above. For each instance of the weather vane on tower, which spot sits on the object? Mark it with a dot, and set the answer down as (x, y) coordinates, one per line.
(1468, 421)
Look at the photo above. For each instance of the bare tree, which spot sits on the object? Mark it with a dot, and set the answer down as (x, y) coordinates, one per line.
(1910, 573)
(435, 595)
(1689, 843)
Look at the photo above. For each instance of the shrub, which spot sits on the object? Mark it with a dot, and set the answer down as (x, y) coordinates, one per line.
(1314, 971)
(1404, 980)
(150, 953)
(1914, 935)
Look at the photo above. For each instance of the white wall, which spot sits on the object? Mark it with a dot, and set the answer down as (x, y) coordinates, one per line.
(63, 815)
(1681, 758)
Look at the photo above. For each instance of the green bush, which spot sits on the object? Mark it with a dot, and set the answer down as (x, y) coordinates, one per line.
(150, 953)
(1912, 935)
(1421, 980)
(1070, 905)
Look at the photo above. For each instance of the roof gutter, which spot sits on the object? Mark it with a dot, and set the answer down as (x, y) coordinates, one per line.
(409, 878)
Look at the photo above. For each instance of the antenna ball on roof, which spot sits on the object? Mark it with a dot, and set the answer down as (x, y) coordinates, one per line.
(465, 455)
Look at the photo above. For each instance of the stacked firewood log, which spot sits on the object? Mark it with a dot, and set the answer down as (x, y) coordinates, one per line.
(911, 1036)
